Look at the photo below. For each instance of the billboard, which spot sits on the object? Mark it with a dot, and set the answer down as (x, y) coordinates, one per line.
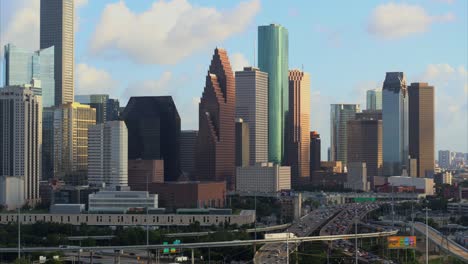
(397, 242)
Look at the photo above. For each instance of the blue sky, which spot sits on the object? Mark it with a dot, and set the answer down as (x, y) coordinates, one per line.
(151, 47)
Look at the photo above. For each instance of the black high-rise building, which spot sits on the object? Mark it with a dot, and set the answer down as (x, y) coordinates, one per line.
(314, 152)
(112, 109)
(153, 125)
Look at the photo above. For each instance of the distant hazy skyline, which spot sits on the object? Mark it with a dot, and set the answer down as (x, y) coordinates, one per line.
(148, 47)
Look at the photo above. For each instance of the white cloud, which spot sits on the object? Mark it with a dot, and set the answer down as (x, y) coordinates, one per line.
(80, 3)
(168, 31)
(238, 61)
(392, 21)
(91, 80)
(23, 28)
(162, 86)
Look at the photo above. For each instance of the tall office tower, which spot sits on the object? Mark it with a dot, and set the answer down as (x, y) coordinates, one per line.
(108, 154)
(21, 67)
(445, 159)
(215, 160)
(252, 107)
(421, 127)
(47, 143)
(395, 123)
(188, 141)
(273, 59)
(154, 132)
(340, 115)
(57, 29)
(242, 143)
(315, 152)
(112, 110)
(297, 154)
(96, 101)
(21, 138)
(374, 99)
(365, 143)
(71, 124)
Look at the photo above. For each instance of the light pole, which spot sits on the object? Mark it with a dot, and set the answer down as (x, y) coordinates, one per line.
(147, 220)
(427, 237)
(355, 233)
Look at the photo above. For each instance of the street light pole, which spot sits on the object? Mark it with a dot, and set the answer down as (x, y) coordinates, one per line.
(427, 237)
(147, 220)
(355, 233)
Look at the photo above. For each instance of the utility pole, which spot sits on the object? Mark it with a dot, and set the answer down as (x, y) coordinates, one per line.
(355, 233)
(427, 237)
(147, 221)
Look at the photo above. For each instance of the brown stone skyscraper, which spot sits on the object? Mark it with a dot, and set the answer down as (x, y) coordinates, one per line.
(215, 150)
(421, 127)
(298, 122)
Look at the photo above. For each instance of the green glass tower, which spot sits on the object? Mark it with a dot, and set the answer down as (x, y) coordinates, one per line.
(273, 59)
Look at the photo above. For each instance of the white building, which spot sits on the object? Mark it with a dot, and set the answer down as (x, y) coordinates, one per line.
(11, 192)
(357, 177)
(121, 201)
(424, 185)
(108, 154)
(252, 107)
(21, 139)
(263, 178)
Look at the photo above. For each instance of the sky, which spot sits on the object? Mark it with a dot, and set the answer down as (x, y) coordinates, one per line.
(153, 47)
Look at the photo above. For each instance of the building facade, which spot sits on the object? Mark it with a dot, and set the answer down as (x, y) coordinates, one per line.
(188, 141)
(273, 58)
(263, 178)
(315, 152)
(153, 124)
(365, 144)
(339, 116)
(71, 124)
(48, 142)
(21, 139)
(242, 143)
(215, 160)
(143, 172)
(21, 67)
(395, 123)
(421, 127)
(98, 102)
(108, 154)
(252, 107)
(112, 110)
(374, 99)
(445, 159)
(57, 24)
(298, 123)
(356, 179)
(121, 201)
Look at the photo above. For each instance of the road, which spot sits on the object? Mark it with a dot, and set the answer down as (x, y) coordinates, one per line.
(278, 252)
(436, 237)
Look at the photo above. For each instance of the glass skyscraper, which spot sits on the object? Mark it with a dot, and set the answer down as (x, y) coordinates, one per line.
(374, 99)
(273, 59)
(395, 123)
(340, 114)
(22, 66)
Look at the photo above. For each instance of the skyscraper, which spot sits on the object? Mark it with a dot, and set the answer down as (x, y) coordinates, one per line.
(315, 152)
(395, 123)
(71, 124)
(365, 143)
(421, 127)
(252, 107)
(273, 59)
(340, 115)
(445, 159)
(48, 142)
(112, 110)
(108, 154)
(242, 143)
(22, 66)
(21, 138)
(298, 141)
(188, 141)
(154, 132)
(374, 99)
(98, 102)
(215, 160)
(57, 29)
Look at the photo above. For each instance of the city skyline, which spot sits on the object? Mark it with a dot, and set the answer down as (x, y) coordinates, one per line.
(329, 53)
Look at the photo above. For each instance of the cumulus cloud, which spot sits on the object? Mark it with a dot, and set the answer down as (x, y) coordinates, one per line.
(392, 21)
(168, 31)
(238, 61)
(23, 27)
(91, 80)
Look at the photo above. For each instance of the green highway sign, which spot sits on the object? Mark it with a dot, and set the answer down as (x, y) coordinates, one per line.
(364, 199)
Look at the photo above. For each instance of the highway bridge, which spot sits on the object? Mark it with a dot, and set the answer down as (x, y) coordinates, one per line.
(444, 243)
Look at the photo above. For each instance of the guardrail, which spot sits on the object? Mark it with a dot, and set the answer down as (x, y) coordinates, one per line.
(453, 243)
(207, 244)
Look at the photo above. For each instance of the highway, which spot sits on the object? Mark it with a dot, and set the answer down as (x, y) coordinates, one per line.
(436, 237)
(274, 253)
